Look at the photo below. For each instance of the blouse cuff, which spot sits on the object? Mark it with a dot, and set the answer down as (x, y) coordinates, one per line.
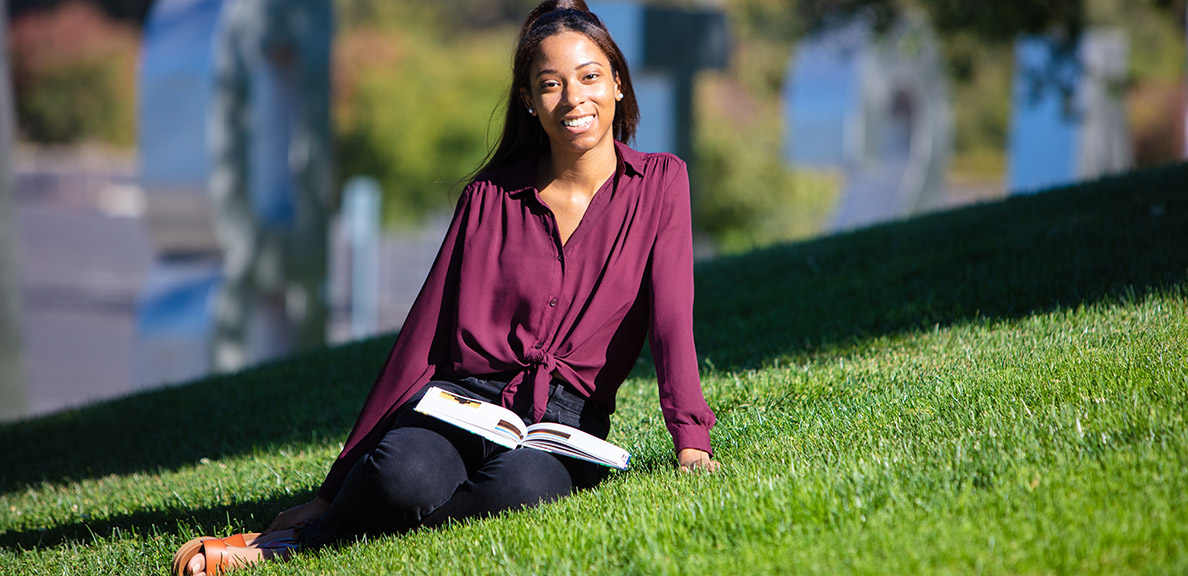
(692, 437)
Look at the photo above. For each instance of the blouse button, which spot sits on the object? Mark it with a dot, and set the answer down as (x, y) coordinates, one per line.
(553, 302)
(539, 346)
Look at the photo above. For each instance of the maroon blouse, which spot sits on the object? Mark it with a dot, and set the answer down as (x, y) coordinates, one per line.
(504, 296)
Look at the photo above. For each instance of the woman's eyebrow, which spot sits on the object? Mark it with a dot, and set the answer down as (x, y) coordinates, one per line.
(578, 67)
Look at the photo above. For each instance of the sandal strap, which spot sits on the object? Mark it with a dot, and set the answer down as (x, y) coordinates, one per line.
(241, 540)
(217, 557)
(236, 540)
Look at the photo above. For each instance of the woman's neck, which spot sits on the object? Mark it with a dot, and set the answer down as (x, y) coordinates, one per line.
(587, 171)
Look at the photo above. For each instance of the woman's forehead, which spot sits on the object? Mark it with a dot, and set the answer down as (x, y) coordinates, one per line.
(568, 50)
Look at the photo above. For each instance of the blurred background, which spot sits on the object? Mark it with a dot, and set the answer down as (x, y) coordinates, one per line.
(148, 142)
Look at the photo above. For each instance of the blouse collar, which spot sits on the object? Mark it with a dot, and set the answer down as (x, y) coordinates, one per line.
(629, 162)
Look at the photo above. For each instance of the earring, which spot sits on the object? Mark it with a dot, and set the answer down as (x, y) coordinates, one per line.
(531, 111)
(619, 96)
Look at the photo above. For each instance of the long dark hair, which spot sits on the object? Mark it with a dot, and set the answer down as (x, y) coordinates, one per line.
(522, 134)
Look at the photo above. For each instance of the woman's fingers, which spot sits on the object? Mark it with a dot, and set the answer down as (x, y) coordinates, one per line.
(691, 460)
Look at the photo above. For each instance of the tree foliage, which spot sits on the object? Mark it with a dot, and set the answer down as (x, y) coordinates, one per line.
(72, 73)
(414, 101)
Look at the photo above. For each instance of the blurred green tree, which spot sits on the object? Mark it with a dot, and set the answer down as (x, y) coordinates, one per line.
(72, 76)
(415, 101)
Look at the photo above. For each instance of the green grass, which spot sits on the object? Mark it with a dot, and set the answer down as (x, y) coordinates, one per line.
(1000, 389)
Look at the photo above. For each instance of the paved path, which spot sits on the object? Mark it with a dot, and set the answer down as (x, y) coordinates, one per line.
(85, 255)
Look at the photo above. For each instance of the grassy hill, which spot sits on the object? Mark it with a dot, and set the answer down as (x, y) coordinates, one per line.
(999, 389)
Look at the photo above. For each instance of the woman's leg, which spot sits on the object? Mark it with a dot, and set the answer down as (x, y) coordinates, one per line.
(423, 477)
(426, 472)
(510, 480)
(413, 471)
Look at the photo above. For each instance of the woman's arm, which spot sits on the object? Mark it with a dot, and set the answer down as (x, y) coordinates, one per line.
(670, 285)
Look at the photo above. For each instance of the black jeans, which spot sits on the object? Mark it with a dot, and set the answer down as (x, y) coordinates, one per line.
(426, 472)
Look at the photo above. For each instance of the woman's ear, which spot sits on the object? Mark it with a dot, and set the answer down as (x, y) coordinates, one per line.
(526, 98)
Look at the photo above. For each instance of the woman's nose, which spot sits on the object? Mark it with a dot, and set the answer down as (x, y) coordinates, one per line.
(573, 93)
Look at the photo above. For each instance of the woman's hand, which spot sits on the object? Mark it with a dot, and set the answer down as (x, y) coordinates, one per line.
(300, 515)
(693, 461)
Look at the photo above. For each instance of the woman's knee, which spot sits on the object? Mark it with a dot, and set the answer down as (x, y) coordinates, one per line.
(528, 477)
(414, 471)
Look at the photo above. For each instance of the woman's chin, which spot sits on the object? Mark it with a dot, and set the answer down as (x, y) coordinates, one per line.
(580, 144)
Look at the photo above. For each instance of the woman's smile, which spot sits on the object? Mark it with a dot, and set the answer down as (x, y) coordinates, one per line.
(579, 124)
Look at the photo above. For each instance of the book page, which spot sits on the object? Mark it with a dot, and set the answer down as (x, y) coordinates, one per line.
(569, 441)
(495, 423)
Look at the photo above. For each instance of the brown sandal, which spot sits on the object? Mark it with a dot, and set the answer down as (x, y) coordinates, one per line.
(206, 545)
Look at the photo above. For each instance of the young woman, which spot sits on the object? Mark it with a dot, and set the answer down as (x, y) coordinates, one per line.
(565, 251)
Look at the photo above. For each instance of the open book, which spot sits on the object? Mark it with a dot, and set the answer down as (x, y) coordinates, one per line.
(504, 427)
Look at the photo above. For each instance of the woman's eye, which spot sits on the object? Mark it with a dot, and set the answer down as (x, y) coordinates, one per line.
(592, 76)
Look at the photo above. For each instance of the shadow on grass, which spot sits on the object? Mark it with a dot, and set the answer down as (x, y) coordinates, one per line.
(254, 516)
(1109, 240)
(310, 398)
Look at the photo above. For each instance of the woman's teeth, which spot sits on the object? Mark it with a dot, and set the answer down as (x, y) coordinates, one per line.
(578, 122)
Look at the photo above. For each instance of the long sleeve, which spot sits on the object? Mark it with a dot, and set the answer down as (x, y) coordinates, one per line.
(670, 285)
(421, 346)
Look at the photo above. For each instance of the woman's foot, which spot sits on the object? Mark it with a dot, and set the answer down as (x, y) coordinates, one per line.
(222, 559)
(216, 557)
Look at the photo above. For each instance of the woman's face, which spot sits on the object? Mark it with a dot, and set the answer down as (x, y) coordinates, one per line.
(573, 92)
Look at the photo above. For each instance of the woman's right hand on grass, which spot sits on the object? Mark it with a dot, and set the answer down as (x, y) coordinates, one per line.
(694, 461)
(300, 515)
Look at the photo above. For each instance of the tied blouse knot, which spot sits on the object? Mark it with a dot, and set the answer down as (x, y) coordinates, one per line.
(504, 296)
(541, 366)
